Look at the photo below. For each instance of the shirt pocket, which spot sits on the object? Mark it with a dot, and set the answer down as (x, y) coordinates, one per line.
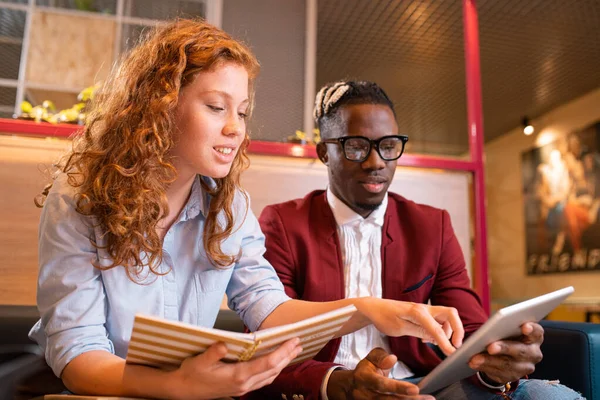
(418, 292)
(213, 279)
(419, 284)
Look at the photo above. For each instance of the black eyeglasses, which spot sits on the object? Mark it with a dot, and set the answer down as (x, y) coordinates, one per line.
(358, 148)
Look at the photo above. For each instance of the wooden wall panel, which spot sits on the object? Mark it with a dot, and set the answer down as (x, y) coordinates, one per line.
(22, 161)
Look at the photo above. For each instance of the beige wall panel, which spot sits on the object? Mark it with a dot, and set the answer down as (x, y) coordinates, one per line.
(61, 100)
(70, 51)
(22, 177)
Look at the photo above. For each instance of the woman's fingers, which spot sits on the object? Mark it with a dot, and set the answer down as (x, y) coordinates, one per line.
(213, 354)
(431, 329)
(264, 369)
(447, 329)
(456, 327)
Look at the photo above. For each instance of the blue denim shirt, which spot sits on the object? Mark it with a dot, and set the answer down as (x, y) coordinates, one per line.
(83, 308)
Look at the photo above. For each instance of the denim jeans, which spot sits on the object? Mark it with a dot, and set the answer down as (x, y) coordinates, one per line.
(528, 389)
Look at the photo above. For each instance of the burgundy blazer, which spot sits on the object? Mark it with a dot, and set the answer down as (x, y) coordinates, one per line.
(421, 261)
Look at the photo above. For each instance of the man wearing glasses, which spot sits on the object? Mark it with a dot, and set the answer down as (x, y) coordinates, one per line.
(355, 239)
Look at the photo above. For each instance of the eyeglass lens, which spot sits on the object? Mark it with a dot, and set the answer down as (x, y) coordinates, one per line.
(358, 148)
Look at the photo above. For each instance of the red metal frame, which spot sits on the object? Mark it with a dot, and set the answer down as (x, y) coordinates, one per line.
(475, 128)
(474, 165)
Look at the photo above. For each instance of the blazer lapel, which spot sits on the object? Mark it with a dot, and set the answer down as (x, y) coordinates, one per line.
(391, 253)
(324, 229)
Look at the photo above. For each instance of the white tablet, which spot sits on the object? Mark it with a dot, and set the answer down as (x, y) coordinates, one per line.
(505, 323)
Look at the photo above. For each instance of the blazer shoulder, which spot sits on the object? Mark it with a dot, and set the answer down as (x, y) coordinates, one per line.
(293, 207)
(409, 208)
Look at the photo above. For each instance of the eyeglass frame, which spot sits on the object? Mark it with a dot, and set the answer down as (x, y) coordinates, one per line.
(372, 142)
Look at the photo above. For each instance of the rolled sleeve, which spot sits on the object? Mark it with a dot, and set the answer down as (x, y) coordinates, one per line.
(71, 297)
(255, 289)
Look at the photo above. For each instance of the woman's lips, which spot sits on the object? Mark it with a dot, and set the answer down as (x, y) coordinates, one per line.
(226, 154)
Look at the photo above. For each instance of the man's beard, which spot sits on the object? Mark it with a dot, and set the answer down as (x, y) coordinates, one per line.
(368, 207)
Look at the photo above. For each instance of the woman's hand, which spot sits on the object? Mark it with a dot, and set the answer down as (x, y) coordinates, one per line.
(205, 376)
(434, 324)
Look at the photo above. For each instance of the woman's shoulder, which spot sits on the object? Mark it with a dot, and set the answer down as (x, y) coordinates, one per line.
(63, 186)
(63, 195)
(241, 199)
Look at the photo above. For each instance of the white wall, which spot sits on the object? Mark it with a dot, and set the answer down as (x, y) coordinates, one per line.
(273, 180)
(505, 211)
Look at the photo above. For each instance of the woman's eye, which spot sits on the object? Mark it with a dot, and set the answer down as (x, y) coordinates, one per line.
(243, 115)
(215, 108)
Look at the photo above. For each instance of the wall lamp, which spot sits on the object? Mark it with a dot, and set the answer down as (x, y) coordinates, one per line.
(527, 127)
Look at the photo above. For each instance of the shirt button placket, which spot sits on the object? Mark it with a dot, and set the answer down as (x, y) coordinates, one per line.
(169, 283)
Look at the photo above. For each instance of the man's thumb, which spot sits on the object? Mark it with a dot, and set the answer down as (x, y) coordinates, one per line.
(381, 359)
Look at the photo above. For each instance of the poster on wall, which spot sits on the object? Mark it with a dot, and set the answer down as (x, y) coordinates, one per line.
(561, 187)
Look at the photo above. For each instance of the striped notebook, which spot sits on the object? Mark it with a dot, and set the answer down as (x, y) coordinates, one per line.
(158, 342)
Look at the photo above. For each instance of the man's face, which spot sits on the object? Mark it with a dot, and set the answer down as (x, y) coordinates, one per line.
(360, 185)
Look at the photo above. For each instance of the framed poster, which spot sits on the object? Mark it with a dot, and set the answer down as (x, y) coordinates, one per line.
(561, 187)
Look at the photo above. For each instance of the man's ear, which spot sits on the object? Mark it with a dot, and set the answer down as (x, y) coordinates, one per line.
(322, 153)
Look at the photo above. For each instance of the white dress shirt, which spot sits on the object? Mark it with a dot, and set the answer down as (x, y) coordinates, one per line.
(360, 240)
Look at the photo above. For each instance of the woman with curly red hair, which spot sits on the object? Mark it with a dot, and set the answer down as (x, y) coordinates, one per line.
(146, 215)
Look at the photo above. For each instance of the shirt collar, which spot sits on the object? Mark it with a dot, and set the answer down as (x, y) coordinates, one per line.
(344, 215)
(199, 199)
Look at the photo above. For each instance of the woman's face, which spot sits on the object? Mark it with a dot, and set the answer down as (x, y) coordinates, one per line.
(211, 121)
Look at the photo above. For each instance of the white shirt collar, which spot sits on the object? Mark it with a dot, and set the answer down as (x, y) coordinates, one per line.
(345, 215)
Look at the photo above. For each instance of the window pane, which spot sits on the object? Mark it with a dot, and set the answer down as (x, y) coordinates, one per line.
(12, 25)
(131, 34)
(101, 6)
(61, 100)
(8, 96)
(275, 31)
(160, 9)
(414, 51)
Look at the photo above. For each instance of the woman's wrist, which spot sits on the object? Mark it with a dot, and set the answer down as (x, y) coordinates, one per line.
(173, 385)
(144, 381)
(366, 306)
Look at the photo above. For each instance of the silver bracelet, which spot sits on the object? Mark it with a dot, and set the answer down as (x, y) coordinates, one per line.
(501, 388)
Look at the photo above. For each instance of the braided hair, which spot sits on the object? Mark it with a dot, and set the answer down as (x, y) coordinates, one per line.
(333, 96)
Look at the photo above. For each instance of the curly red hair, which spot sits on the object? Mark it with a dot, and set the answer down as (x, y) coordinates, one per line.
(120, 164)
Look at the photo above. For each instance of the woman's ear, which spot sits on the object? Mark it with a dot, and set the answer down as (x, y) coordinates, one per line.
(322, 153)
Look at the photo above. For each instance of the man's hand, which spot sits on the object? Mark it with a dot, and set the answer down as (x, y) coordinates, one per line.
(370, 381)
(511, 359)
